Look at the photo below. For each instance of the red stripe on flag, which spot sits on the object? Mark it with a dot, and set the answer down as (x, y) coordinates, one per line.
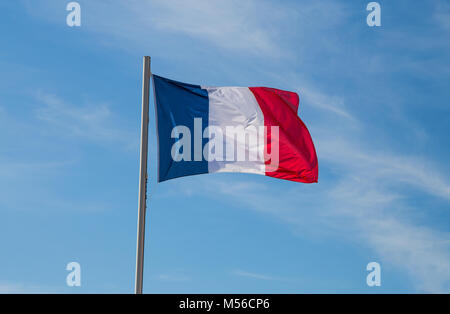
(297, 158)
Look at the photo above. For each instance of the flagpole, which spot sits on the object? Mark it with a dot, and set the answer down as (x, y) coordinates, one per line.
(142, 177)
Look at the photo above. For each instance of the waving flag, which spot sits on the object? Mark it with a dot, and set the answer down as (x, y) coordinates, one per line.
(231, 129)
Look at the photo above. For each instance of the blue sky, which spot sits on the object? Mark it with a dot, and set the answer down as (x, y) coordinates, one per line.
(376, 101)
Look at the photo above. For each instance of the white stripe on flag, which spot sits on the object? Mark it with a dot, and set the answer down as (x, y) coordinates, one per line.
(237, 107)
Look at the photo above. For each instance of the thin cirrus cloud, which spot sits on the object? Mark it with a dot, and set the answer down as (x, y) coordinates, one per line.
(258, 28)
(235, 25)
(173, 277)
(385, 168)
(251, 27)
(355, 209)
(26, 288)
(442, 15)
(366, 204)
(94, 122)
(325, 102)
(252, 275)
(31, 163)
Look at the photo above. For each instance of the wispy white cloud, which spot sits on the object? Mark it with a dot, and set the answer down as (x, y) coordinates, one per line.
(24, 288)
(232, 25)
(173, 277)
(442, 14)
(383, 167)
(235, 25)
(359, 209)
(313, 96)
(380, 217)
(366, 203)
(254, 27)
(326, 102)
(95, 121)
(32, 164)
(242, 273)
(12, 169)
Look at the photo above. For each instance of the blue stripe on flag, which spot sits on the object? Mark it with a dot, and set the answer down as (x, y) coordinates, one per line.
(178, 104)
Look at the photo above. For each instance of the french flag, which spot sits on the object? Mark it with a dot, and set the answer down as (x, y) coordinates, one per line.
(231, 129)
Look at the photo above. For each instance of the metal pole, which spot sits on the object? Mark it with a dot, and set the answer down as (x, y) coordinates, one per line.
(142, 178)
